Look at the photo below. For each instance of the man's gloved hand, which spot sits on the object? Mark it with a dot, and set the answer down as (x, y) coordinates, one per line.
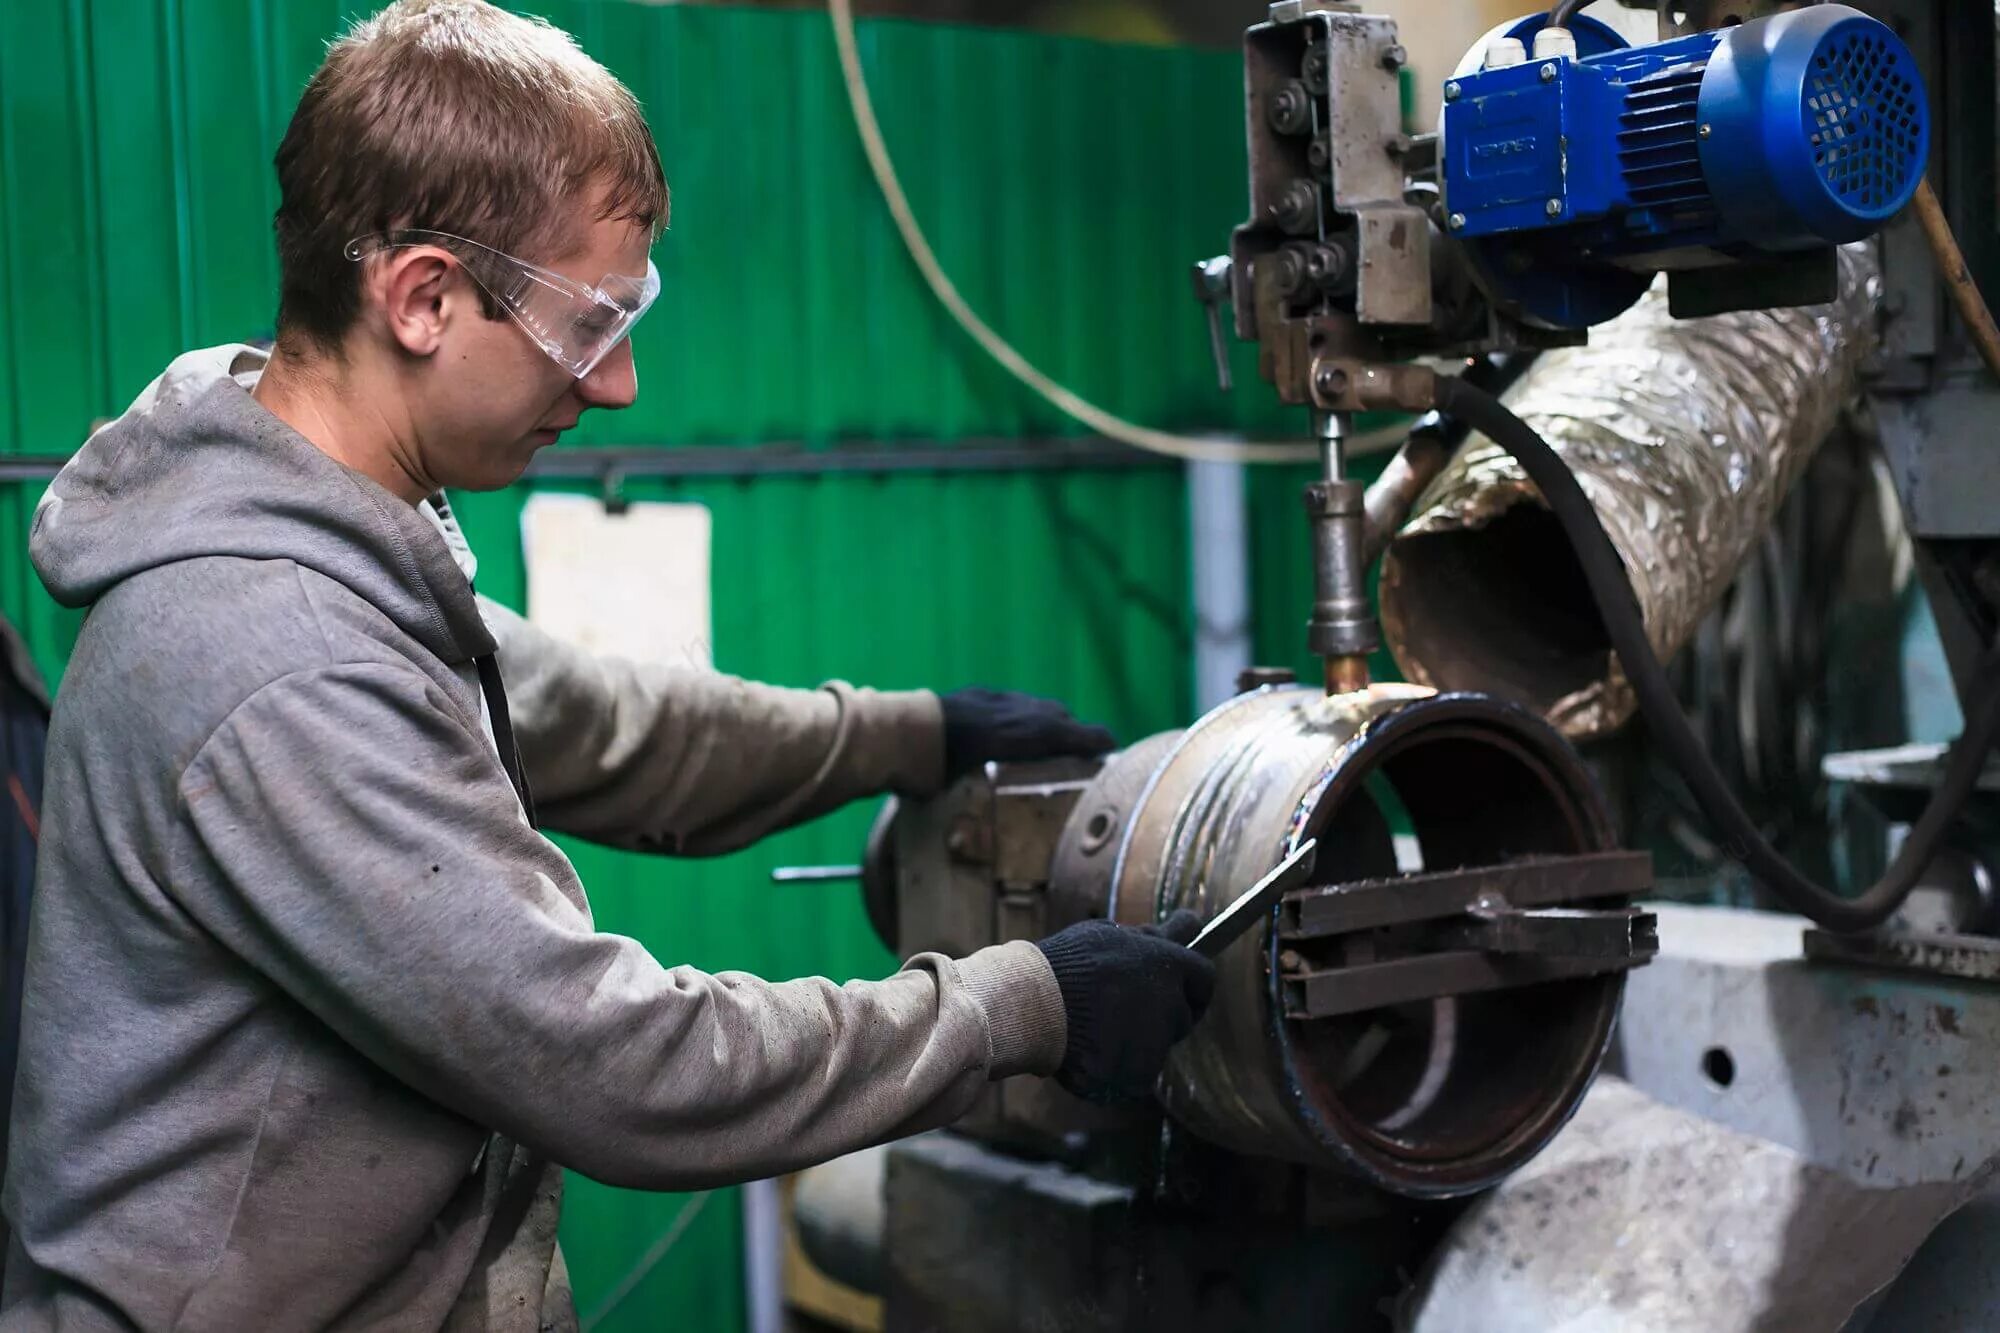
(983, 725)
(1129, 994)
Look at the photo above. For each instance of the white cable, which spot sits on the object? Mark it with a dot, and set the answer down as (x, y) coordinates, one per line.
(1193, 448)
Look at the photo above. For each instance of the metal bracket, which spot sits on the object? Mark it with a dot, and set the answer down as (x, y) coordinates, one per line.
(1369, 904)
(1351, 990)
(1344, 384)
(1456, 932)
(1568, 932)
(1395, 271)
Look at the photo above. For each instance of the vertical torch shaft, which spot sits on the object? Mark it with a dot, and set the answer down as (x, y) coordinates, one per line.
(1342, 630)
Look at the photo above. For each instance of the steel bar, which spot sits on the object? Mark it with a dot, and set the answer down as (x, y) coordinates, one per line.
(973, 455)
(1570, 932)
(599, 463)
(1368, 904)
(1349, 990)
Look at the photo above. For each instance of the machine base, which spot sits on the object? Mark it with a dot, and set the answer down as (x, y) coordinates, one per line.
(982, 1242)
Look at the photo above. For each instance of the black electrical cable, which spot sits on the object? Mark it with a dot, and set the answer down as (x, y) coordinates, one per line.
(1624, 625)
(1561, 14)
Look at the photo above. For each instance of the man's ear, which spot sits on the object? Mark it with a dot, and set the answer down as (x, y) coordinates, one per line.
(410, 285)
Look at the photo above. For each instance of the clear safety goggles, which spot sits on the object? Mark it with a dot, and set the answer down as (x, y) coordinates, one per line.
(577, 325)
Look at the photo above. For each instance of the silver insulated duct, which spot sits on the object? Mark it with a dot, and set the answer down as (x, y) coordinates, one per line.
(1685, 434)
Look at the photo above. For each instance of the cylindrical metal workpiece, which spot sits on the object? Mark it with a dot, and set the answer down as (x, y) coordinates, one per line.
(1426, 1099)
(1372, 1025)
(1685, 434)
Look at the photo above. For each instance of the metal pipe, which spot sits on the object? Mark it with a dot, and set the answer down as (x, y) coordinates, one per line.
(1432, 1099)
(791, 459)
(1430, 444)
(1219, 547)
(764, 1257)
(1685, 435)
(1391, 496)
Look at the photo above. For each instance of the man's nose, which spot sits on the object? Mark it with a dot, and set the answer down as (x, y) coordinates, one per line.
(612, 382)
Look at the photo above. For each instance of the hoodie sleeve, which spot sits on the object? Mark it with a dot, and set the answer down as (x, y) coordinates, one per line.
(358, 845)
(676, 759)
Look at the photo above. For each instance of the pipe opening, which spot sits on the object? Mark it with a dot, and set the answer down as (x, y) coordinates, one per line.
(1446, 1086)
(1502, 607)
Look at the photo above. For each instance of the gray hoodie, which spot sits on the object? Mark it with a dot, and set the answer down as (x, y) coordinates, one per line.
(313, 1016)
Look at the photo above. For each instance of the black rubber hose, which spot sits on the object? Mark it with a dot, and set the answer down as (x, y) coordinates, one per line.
(1624, 625)
(1495, 373)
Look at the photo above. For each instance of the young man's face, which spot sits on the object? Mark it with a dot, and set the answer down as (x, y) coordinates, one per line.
(495, 398)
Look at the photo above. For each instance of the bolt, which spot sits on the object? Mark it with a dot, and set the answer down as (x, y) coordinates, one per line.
(1290, 960)
(1705, 131)
(1456, 222)
(1331, 268)
(1553, 208)
(1452, 90)
(1395, 57)
(1329, 381)
(1548, 73)
(1319, 156)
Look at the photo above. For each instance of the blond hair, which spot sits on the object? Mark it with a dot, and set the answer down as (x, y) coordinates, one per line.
(456, 116)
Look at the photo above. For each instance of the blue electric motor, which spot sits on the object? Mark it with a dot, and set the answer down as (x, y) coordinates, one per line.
(1572, 182)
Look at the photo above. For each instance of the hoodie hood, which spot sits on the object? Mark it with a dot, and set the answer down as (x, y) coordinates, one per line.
(197, 467)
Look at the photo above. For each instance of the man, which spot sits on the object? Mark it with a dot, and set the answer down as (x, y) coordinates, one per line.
(314, 1016)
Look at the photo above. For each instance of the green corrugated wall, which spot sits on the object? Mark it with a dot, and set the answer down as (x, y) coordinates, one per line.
(1066, 184)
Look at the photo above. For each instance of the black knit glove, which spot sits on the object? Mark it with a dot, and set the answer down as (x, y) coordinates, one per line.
(1129, 994)
(983, 725)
